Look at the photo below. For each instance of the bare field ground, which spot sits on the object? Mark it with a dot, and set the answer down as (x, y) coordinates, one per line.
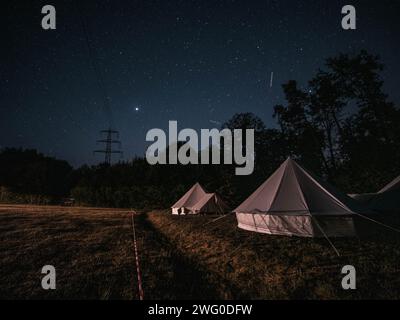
(181, 258)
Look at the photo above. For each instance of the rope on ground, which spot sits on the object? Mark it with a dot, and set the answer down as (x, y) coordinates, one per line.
(139, 274)
(377, 222)
(330, 242)
(216, 219)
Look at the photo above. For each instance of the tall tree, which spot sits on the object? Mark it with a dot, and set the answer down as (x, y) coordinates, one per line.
(345, 119)
(303, 137)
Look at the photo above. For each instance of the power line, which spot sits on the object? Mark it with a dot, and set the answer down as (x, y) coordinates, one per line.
(109, 140)
(94, 61)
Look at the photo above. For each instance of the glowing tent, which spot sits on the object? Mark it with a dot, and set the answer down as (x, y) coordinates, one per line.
(189, 199)
(294, 202)
(197, 201)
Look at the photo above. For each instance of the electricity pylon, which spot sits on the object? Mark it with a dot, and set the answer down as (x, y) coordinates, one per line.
(109, 141)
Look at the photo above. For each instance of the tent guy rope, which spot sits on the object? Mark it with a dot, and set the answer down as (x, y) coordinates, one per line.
(325, 235)
(377, 222)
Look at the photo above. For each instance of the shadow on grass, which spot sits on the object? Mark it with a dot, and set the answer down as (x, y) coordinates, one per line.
(167, 273)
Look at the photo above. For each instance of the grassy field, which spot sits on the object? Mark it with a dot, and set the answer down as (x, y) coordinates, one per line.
(182, 257)
(245, 264)
(92, 251)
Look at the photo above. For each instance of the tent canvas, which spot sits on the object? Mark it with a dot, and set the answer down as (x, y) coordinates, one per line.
(385, 200)
(188, 200)
(388, 198)
(210, 203)
(362, 197)
(292, 201)
(391, 186)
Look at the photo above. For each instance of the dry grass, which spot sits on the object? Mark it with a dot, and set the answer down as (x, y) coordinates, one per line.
(92, 250)
(242, 264)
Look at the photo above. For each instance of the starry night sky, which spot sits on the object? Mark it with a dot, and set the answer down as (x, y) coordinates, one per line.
(198, 62)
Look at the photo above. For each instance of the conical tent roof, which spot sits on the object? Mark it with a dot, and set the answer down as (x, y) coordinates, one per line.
(211, 202)
(391, 186)
(203, 201)
(291, 190)
(387, 199)
(190, 198)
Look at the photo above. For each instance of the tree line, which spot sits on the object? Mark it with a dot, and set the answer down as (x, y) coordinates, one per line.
(340, 126)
